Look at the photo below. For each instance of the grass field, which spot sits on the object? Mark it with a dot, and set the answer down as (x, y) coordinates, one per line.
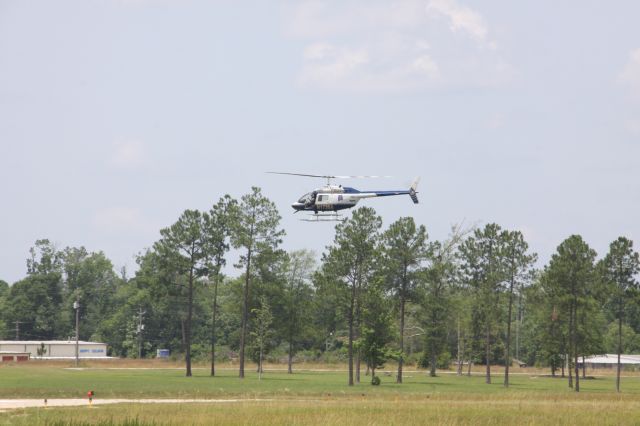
(312, 397)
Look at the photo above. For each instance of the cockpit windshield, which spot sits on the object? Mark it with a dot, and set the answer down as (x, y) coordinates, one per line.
(306, 198)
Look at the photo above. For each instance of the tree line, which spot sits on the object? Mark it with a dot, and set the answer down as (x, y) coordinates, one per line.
(375, 296)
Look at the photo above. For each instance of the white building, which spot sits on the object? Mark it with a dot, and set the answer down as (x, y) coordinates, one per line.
(55, 349)
(610, 360)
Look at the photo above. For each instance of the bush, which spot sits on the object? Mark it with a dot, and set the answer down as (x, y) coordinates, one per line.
(375, 381)
(443, 361)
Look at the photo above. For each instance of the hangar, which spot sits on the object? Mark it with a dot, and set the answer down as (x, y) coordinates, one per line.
(55, 349)
(611, 361)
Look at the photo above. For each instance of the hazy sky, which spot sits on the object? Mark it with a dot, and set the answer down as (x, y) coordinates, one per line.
(115, 116)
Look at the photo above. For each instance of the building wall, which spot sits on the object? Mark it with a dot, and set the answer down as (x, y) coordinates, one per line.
(63, 350)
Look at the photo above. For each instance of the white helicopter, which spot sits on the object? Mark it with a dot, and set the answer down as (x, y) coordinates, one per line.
(325, 202)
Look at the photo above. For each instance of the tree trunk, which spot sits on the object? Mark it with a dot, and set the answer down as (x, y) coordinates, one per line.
(245, 314)
(292, 318)
(507, 349)
(432, 363)
(619, 351)
(575, 342)
(462, 357)
(401, 357)
(213, 326)
(488, 354)
(459, 366)
(350, 349)
(577, 388)
(260, 365)
(188, 324)
(570, 352)
(357, 335)
(469, 367)
(575, 346)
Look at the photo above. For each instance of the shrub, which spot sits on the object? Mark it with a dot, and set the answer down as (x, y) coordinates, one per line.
(375, 381)
(443, 361)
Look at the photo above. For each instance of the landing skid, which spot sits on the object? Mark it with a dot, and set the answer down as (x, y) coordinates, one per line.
(325, 217)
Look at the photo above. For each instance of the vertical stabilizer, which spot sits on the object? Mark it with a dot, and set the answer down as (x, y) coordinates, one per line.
(413, 190)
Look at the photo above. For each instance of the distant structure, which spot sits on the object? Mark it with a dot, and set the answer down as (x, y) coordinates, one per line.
(55, 349)
(13, 356)
(610, 361)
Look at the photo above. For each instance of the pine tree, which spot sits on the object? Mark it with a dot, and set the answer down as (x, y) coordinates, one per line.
(255, 229)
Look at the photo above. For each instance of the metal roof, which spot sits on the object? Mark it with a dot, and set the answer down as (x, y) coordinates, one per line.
(611, 359)
(47, 342)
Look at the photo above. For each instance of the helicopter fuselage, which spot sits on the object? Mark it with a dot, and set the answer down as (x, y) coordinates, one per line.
(337, 197)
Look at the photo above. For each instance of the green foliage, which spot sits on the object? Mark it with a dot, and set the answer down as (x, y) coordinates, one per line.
(349, 266)
(630, 339)
(254, 229)
(377, 331)
(470, 297)
(262, 331)
(443, 360)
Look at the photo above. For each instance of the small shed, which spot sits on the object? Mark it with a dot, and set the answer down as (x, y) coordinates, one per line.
(13, 356)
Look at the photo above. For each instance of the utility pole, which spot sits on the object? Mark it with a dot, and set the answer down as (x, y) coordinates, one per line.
(18, 329)
(76, 306)
(140, 328)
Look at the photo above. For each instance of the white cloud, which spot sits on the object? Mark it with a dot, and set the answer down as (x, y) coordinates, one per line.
(630, 75)
(460, 18)
(327, 63)
(364, 69)
(129, 153)
(377, 46)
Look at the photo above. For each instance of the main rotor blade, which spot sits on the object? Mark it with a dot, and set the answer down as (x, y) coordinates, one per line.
(361, 177)
(330, 176)
(302, 174)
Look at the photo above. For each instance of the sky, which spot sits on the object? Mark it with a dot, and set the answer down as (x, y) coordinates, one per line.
(117, 115)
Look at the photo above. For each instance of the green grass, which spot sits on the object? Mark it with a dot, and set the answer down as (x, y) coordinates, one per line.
(53, 382)
(315, 397)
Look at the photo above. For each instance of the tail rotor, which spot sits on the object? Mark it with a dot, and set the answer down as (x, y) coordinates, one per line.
(413, 190)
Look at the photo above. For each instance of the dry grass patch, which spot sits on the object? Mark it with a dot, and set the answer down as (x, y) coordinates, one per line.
(434, 409)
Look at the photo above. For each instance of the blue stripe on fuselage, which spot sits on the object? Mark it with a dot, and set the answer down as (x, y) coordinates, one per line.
(388, 193)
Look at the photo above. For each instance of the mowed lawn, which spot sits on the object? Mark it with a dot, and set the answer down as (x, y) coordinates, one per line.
(308, 397)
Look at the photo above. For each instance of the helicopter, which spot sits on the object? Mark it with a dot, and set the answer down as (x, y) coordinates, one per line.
(325, 202)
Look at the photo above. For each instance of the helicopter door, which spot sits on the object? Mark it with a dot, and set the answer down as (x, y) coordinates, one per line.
(323, 202)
